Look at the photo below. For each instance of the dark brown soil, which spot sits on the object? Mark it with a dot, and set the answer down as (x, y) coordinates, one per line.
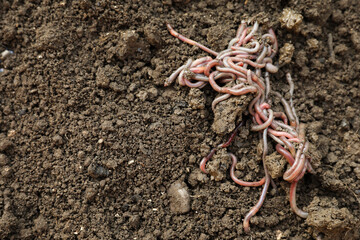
(91, 141)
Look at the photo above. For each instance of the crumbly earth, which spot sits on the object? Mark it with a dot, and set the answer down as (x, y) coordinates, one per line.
(91, 141)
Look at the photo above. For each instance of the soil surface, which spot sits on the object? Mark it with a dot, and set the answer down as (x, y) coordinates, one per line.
(93, 146)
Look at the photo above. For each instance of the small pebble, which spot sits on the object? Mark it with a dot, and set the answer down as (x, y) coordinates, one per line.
(5, 145)
(6, 172)
(179, 198)
(58, 140)
(97, 171)
(4, 160)
(291, 20)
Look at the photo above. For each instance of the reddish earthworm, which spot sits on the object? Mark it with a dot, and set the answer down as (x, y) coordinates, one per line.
(224, 96)
(255, 49)
(276, 139)
(251, 34)
(258, 205)
(238, 181)
(197, 84)
(265, 124)
(244, 70)
(283, 134)
(225, 75)
(275, 43)
(282, 116)
(233, 41)
(251, 63)
(189, 41)
(242, 37)
(201, 61)
(271, 68)
(200, 77)
(283, 152)
(223, 145)
(229, 70)
(210, 65)
(173, 76)
(293, 205)
(289, 145)
(231, 91)
(240, 29)
(287, 109)
(205, 159)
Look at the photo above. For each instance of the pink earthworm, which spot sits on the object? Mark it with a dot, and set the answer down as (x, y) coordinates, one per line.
(265, 124)
(256, 208)
(252, 33)
(223, 145)
(287, 109)
(210, 65)
(224, 96)
(255, 49)
(275, 43)
(238, 181)
(283, 134)
(240, 29)
(173, 76)
(286, 154)
(189, 41)
(293, 204)
(231, 91)
(200, 61)
(251, 63)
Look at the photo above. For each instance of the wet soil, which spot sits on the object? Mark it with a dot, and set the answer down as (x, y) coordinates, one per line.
(91, 141)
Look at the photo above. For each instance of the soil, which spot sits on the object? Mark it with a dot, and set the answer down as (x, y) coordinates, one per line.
(91, 141)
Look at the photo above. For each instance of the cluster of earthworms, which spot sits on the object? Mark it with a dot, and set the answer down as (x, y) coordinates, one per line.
(245, 67)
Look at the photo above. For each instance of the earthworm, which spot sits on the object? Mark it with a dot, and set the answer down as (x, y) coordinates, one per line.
(200, 61)
(293, 205)
(289, 145)
(290, 129)
(271, 68)
(251, 34)
(255, 49)
(265, 124)
(238, 181)
(231, 91)
(189, 41)
(200, 77)
(282, 116)
(230, 52)
(224, 145)
(276, 139)
(283, 152)
(267, 84)
(232, 136)
(240, 29)
(224, 96)
(205, 159)
(173, 76)
(258, 205)
(295, 170)
(233, 41)
(229, 70)
(210, 65)
(275, 43)
(262, 55)
(282, 134)
(224, 74)
(197, 84)
(287, 109)
(244, 70)
(251, 63)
